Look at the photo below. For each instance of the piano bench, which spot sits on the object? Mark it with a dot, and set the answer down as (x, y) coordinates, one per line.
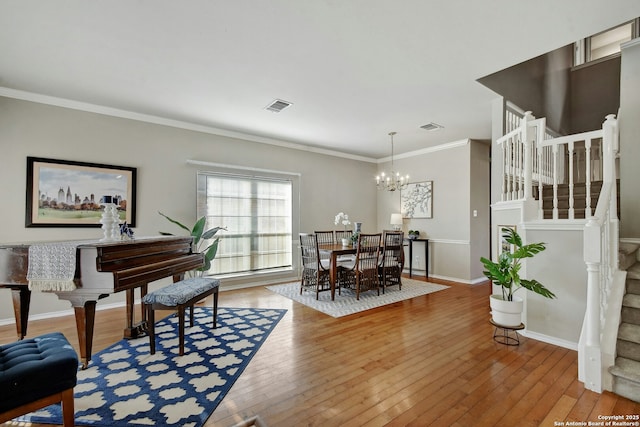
(178, 296)
(35, 373)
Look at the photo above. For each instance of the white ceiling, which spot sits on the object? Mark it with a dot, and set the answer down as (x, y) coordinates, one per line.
(353, 69)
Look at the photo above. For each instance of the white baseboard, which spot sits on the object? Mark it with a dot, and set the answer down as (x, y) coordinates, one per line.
(456, 279)
(60, 313)
(551, 340)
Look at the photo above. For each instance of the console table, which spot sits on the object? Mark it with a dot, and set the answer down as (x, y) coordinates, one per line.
(426, 255)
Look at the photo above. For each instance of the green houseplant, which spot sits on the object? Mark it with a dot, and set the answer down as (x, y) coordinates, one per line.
(505, 273)
(200, 236)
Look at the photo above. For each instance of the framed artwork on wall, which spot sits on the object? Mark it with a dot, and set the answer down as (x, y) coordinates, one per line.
(63, 193)
(417, 200)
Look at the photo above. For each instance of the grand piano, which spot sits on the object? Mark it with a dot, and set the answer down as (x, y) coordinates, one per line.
(102, 269)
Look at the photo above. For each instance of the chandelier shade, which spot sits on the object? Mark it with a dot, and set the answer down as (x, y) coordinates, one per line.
(394, 180)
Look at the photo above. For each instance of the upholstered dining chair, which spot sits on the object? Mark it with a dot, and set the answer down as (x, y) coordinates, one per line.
(363, 271)
(391, 260)
(315, 271)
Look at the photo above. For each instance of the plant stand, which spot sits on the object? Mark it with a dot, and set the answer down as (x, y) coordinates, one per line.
(505, 337)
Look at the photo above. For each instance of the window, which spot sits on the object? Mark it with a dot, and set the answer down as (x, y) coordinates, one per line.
(257, 213)
(604, 44)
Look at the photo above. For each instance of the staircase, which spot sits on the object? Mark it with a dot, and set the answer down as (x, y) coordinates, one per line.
(626, 371)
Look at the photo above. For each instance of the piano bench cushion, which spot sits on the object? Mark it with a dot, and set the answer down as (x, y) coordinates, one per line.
(34, 368)
(181, 292)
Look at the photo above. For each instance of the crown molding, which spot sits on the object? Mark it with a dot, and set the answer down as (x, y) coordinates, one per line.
(428, 150)
(125, 114)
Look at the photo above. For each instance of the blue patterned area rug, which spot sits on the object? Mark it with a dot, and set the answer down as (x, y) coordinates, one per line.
(346, 303)
(126, 386)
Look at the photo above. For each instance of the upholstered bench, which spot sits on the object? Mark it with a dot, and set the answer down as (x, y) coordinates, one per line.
(35, 373)
(178, 296)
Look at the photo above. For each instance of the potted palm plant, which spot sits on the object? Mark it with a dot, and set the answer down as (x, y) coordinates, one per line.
(200, 235)
(506, 309)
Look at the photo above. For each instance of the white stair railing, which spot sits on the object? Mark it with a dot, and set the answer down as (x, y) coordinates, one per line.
(577, 150)
(601, 257)
(523, 161)
(530, 155)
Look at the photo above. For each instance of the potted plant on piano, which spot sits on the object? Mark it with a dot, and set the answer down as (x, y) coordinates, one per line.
(506, 309)
(200, 238)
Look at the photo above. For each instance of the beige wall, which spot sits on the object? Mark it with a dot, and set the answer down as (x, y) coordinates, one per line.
(630, 140)
(480, 214)
(460, 175)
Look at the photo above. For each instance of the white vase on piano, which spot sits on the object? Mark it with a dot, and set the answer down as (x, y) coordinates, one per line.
(110, 223)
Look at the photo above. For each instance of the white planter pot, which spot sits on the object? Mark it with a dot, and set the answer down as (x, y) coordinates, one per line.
(506, 313)
(346, 242)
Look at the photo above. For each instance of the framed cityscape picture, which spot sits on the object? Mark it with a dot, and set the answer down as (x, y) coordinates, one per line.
(63, 193)
(417, 200)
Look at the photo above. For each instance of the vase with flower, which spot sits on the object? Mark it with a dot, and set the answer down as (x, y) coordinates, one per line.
(343, 218)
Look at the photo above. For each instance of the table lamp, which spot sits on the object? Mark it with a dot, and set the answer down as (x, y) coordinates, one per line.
(396, 221)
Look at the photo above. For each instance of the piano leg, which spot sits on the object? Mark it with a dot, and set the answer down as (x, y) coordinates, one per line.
(85, 319)
(135, 330)
(21, 299)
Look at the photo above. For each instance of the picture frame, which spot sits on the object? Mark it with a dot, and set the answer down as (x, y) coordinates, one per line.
(503, 246)
(81, 186)
(417, 200)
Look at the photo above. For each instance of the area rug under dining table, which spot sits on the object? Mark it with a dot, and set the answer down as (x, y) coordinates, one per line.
(124, 385)
(346, 303)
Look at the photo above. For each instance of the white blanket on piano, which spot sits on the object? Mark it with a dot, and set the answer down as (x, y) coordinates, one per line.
(52, 266)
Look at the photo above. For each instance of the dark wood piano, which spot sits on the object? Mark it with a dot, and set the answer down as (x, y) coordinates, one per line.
(102, 269)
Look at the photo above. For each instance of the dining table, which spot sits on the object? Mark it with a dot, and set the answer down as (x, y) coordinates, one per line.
(335, 250)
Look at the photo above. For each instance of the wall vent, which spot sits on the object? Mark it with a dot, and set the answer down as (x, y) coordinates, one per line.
(277, 105)
(431, 127)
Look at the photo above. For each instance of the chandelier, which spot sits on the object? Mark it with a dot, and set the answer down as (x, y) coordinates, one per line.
(394, 181)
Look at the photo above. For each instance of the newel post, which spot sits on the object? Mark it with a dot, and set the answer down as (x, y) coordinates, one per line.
(609, 148)
(527, 142)
(591, 358)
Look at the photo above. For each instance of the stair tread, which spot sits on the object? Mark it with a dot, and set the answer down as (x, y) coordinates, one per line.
(631, 300)
(626, 368)
(629, 332)
(633, 272)
(628, 248)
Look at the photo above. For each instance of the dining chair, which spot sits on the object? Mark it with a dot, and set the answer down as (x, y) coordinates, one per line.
(343, 234)
(327, 238)
(363, 272)
(324, 238)
(391, 260)
(315, 271)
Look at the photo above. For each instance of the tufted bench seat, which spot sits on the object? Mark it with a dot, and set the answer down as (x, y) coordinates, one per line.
(35, 373)
(180, 295)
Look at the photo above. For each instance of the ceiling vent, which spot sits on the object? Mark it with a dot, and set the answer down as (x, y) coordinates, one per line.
(431, 127)
(277, 105)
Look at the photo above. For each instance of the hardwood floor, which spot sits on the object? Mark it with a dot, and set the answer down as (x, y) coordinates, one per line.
(430, 361)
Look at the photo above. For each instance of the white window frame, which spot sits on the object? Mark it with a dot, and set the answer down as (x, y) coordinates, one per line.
(252, 173)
